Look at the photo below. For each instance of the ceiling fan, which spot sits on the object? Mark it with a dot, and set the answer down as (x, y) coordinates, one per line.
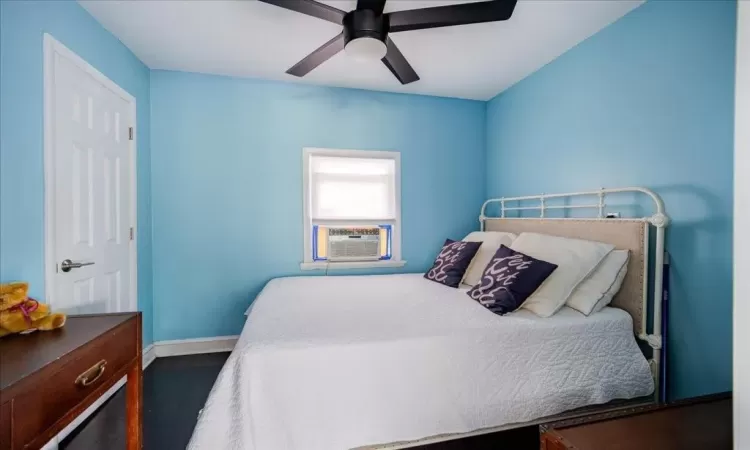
(366, 29)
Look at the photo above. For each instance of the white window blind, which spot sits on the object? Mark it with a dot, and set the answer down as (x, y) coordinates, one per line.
(352, 188)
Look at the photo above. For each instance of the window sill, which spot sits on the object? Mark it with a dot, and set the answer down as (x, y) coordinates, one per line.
(321, 265)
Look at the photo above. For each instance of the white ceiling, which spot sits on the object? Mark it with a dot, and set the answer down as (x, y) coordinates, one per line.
(247, 38)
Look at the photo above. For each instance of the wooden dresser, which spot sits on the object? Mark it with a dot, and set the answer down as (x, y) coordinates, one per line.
(703, 423)
(49, 378)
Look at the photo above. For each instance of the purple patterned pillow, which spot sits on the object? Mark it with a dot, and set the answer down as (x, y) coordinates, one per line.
(509, 279)
(452, 262)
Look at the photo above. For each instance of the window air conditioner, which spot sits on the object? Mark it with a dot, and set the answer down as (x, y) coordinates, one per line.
(353, 244)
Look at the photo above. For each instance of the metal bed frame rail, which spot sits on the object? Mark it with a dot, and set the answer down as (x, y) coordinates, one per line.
(658, 219)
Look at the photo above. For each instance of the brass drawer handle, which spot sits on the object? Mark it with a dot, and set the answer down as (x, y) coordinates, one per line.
(90, 376)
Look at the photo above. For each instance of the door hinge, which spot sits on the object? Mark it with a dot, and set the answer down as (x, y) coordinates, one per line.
(131, 233)
(130, 133)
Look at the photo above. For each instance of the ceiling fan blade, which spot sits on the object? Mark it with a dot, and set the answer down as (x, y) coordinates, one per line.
(311, 8)
(450, 15)
(375, 5)
(398, 65)
(318, 57)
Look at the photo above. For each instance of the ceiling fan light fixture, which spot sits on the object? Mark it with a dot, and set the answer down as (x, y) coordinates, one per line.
(365, 49)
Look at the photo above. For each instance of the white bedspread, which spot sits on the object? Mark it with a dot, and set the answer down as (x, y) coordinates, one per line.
(340, 362)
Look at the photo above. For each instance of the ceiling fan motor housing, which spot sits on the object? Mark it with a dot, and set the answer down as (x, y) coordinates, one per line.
(365, 23)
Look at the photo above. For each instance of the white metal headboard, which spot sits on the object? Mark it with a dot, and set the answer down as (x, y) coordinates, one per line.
(658, 219)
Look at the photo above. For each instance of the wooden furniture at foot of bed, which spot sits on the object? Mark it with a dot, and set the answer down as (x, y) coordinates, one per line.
(700, 423)
(48, 378)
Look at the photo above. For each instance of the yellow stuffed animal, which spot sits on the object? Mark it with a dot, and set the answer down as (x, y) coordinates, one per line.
(21, 314)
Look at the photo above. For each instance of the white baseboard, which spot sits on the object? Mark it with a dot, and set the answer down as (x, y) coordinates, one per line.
(149, 355)
(195, 346)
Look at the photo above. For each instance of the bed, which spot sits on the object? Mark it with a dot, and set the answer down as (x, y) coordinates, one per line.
(391, 360)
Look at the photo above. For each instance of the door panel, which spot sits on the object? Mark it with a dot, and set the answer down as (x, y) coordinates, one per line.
(92, 191)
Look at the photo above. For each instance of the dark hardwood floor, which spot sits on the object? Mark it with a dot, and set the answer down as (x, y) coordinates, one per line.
(174, 391)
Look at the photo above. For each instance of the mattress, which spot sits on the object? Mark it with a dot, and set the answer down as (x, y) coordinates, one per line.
(343, 362)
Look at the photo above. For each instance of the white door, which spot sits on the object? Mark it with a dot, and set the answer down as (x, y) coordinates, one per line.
(90, 150)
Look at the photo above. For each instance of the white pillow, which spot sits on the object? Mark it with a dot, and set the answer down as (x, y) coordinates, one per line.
(575, 259)
(598, 289)
(610, 294)
(491, 241)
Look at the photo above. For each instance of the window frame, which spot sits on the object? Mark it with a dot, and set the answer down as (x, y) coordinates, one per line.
(307, 261)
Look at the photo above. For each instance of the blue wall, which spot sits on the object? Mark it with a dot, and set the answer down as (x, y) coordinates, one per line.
(648, 101)
(22, 25)
(227, 183)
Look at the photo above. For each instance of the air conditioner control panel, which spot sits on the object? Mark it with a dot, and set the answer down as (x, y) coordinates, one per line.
(370, 231)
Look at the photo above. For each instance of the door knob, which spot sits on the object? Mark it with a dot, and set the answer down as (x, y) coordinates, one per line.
(68, 264)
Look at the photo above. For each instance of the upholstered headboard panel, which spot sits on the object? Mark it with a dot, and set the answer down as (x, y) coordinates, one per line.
(624, 234)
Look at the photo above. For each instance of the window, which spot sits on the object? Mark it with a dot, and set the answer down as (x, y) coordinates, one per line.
(357, 190)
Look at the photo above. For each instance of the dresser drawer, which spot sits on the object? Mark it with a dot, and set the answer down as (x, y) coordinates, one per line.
(92, 366)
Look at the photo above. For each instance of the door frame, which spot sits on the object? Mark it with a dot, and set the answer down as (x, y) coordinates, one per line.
(52, 48)
(741, 313)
